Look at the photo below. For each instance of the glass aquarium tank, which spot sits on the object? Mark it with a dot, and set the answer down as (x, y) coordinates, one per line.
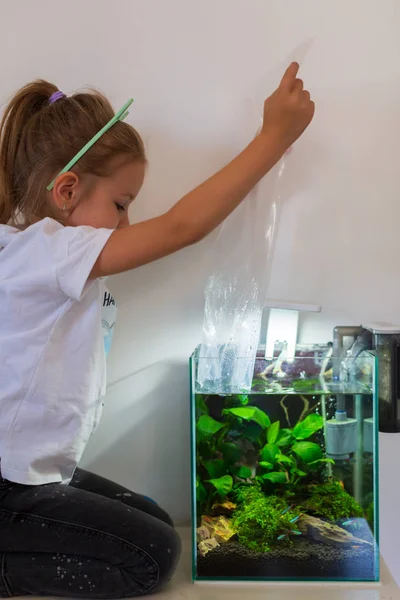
(285, 477)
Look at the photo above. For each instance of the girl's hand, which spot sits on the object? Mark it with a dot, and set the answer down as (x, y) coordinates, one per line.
(289, 111)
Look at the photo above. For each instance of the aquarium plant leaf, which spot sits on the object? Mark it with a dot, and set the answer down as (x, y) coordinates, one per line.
(236, 400)
(269, 453)
(201, 492)
(208, 426)
(285, 459)
(201, 406)
(261, 418)
(307, 451)
(285, 438)
(266, 465)
(243, 399)
(249, 413)
(273, 432)
(241, 471)
(223, 485)
(311, 424)
(243, 412)
(276, 477)
(296, 471)
(215, 468)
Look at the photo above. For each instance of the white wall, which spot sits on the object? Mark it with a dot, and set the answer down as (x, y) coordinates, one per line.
(189, 65)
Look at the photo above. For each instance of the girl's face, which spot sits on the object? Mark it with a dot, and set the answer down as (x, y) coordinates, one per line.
(106, 200)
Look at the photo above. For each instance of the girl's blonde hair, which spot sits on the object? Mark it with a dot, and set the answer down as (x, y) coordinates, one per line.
(37, 140)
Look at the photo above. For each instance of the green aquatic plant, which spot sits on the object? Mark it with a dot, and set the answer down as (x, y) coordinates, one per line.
(288, 456)
(331, 501)
(210, 435)
(243, 445)
(220, 458)
(213, 480)
(244, 494)
(262, 522)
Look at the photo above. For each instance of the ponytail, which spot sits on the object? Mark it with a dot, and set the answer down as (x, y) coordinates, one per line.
(20, 111)
(38, 138)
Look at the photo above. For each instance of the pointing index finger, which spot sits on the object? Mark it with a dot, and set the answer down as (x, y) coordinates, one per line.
(290, 76)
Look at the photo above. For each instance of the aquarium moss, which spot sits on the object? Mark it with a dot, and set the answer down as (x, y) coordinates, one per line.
(262, 522)
(330, 501)
(244, 494)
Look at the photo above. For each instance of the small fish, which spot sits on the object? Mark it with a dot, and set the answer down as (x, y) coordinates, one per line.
(295, 519)
(287, 509)
(346, 523)
(296, 532)
(281, 537)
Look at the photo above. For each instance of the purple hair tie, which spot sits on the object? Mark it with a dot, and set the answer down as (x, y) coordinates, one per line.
(56, 96)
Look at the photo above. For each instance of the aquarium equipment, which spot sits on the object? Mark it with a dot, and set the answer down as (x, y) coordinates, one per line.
(285, 474)
(344, 342)
(384, 338)
(386, 343)
(283, 321)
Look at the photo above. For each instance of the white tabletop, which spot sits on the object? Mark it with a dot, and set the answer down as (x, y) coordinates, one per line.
(182, 588)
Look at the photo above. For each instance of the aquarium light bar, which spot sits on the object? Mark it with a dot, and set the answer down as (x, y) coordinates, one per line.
(283, 324)
(292, 305)
(282, 327)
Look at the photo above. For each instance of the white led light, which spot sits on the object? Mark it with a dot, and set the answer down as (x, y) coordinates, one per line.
(283, 324)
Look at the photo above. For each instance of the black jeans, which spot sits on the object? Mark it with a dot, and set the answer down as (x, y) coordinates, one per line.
(90, 539)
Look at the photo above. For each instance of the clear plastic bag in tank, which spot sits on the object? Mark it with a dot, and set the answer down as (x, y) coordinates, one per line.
(235, 292)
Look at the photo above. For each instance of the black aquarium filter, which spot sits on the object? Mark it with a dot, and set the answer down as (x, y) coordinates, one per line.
(386, 343)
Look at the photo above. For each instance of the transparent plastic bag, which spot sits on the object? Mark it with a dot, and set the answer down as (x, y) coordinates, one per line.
(236, 291)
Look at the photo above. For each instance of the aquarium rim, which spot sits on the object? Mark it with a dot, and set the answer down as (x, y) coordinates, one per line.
(300, 347)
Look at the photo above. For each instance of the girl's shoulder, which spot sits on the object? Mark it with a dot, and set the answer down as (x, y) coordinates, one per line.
(47, 224)
(64, 256)
(47, 228)
(17, 239)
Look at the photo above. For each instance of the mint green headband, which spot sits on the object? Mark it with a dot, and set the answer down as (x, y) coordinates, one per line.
(119, 116)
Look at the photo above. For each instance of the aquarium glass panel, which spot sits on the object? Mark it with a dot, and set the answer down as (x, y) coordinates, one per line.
(285, 477)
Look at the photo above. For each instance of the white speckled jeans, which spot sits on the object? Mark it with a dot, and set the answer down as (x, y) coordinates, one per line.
(91, 539)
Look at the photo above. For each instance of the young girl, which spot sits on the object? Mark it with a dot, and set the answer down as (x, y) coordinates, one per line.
(69, 170)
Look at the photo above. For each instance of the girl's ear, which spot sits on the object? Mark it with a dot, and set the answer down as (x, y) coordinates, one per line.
(64, 194)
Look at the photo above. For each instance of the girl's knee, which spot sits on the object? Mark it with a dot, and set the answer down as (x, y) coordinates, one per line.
(152, 508)
(167, 558)
(164, 516)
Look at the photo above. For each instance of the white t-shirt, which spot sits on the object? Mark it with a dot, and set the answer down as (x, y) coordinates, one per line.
(52, 348)
(108, 318)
